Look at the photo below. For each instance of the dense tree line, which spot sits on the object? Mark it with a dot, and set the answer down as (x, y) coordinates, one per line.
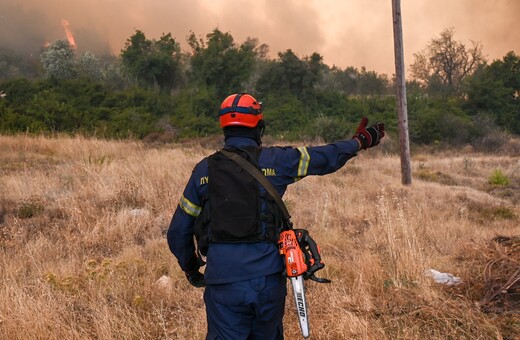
(153, 88)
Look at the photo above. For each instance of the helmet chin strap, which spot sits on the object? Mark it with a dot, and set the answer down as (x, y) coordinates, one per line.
(261, 126)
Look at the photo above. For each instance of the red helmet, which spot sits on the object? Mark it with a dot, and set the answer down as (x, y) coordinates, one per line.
(240, 109)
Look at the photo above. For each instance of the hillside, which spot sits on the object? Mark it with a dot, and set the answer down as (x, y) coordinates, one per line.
(84, 255)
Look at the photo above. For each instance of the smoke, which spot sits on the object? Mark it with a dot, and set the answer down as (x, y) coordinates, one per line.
(494, 24)
(22, 29)
(346, 33)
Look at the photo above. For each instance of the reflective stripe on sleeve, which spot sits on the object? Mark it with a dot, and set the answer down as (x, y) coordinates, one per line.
(303, 166)
(190, 208)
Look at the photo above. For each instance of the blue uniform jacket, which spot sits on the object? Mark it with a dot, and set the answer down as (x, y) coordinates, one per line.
(233, 262)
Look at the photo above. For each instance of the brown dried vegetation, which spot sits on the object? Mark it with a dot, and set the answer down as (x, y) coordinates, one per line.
(83, 253)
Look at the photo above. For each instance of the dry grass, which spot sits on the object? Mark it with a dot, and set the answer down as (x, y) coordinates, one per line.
(83, 253)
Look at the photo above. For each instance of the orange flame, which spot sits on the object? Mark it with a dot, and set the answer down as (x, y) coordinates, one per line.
(68, 32)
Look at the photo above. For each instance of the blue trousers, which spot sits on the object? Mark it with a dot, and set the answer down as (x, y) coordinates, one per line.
(251, 309)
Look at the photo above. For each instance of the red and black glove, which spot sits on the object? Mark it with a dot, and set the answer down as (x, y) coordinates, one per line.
(369, 137)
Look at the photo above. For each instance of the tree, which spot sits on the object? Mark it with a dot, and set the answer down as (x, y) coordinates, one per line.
(437, 120)
(18, 64)
(495, 90)
(17, 95)
(220, 63)
(90, 67)
(351, 81)
(444, 64)
(112, 69)
(151, 62)
(292, 75)
(334, 79)
(371, 83)
(9, 68)
(58, 61)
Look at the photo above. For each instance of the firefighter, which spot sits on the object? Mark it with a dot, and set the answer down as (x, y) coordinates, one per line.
(237, 224)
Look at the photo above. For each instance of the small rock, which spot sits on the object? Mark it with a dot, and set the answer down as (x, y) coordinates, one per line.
(164, 282)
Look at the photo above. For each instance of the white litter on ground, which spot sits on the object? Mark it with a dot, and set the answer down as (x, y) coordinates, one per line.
(444, 278)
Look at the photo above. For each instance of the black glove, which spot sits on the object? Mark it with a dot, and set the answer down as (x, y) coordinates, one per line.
(195, 278)
(370, 137)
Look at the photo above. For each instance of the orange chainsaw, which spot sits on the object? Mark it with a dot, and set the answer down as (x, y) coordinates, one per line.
(302, 260)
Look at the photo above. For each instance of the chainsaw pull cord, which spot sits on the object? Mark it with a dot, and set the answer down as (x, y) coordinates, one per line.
(308, 245)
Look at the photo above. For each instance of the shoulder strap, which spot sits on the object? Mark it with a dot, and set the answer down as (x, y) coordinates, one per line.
(259, 176)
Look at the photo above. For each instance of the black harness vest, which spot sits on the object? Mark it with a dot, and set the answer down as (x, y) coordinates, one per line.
(231, 212)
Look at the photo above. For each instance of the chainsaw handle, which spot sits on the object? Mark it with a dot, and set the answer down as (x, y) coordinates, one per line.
(319, 279)
(312, 255)
(313, 247)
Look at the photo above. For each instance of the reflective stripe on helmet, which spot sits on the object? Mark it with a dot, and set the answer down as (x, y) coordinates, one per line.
(240, 109)
(303, 165)
(190, 208)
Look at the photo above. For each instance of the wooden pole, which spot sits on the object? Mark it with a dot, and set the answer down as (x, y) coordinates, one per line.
(402, 112)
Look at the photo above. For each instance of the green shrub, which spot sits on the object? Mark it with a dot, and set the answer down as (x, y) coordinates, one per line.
(429, 175)
(499, 178)
(29, 209)
(504, 213)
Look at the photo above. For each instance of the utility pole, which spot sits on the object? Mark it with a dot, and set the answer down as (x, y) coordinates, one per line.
(402, 111)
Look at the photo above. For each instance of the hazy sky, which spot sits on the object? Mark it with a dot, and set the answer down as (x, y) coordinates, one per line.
(346, 33)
